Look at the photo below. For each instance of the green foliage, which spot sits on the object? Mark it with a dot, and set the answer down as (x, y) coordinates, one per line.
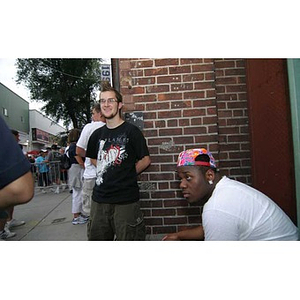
(66, 86)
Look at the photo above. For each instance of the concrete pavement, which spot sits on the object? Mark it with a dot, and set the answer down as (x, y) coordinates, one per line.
(48, 217)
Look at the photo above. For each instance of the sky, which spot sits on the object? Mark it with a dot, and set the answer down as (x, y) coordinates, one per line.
(8, 76)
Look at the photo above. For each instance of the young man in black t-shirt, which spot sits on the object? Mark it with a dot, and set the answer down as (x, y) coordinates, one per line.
(120, 153)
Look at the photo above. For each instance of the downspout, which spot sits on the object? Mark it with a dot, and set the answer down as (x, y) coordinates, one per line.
(293, 67)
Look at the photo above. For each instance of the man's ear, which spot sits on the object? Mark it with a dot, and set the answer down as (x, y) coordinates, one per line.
(120, 105)
(210, 175)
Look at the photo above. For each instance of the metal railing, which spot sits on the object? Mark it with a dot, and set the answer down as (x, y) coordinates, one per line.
(49, 177)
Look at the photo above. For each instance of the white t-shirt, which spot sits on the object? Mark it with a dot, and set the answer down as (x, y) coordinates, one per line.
(238, 212)
(88, 129)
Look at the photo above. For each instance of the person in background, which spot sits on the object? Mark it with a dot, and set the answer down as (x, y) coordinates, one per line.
(119, 151)
(11, 222)
(54, 174)
(64, 167)
(42, 170)
(75, 178)
(16, 180)
(89, 175)
(233, 211)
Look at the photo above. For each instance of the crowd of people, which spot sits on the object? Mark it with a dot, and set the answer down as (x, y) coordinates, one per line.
(101, 166)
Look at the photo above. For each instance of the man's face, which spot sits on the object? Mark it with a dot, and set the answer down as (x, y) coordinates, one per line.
(96, 116)
(109, 104)
(193, 184)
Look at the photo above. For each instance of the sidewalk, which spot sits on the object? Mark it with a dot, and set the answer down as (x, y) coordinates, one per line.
(48, 217)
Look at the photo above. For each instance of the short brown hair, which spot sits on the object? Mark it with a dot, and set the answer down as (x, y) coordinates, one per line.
(108, 88)
(74, 135)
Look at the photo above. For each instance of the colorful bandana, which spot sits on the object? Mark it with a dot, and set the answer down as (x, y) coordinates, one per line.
(187, 158)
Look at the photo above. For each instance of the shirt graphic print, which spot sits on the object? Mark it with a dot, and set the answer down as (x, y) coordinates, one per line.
(110, 157)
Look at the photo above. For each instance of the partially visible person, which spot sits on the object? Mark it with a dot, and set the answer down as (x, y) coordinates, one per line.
(11, 222)
(75, 178)
(89, 175)
(54, 174)
(31, 159)
(42, 170)
(233, 211)
(120, 153)
(16, 180)
(64, 164)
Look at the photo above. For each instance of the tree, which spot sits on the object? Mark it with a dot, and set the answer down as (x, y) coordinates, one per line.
(67, 86)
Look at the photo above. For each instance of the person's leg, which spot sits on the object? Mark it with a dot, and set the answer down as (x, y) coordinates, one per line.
(76, 202)
(99, 227)
(5, 233)
(129, 222)
(10, 221)
(87, 191)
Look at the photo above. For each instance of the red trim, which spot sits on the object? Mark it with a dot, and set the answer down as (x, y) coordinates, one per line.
(202, 163)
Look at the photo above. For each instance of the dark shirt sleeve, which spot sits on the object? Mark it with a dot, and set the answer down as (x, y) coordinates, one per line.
(140, 143)
(13, 163)
(72, 153)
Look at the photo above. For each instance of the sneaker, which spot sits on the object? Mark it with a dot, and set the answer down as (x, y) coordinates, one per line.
(6, 234)
(79, 220)
(14, 223)
(57, 190)
(43, 191)
(85, 217)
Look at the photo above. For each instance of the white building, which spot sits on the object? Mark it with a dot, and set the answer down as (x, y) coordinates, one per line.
(43, 130)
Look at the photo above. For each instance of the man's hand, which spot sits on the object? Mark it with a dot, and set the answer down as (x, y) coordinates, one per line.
(171, 237)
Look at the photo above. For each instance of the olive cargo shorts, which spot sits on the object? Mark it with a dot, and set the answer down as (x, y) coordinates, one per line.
(124, 222)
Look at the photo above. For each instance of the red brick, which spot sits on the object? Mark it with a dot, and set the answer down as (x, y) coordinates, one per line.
(157, 106)
(163, 212)
(180, 70)
(189, 61)
(168, 79)
(175, 220)
(156, 71)
(141, 64)
(194, 95)
(202, 68)
(169, 96)
(166, 62)
(170, 132)
(181, 87)
(157, 89)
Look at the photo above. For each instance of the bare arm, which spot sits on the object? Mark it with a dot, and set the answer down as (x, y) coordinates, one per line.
(196, 233)
(142, 164)
(94, 161)
(80, 151)
(19, 191)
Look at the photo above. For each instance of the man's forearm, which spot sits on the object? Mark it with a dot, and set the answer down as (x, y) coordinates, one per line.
(142, 164)
(19, 191)
(196, 233)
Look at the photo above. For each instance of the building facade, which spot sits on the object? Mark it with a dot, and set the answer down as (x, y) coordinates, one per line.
(36, 130)
(15, 112)
(242, 117)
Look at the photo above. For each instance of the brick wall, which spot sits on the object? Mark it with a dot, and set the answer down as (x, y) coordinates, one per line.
(186, 103)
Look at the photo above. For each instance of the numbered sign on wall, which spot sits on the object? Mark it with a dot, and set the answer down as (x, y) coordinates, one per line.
(106, 73)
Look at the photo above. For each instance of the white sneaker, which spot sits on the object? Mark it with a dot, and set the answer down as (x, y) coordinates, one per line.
(57, 190)
(14, 223)
(6, 234)
(43, 191)
(79, 220)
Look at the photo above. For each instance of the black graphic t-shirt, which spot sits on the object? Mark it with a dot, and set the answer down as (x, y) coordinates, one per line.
(117, 150)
